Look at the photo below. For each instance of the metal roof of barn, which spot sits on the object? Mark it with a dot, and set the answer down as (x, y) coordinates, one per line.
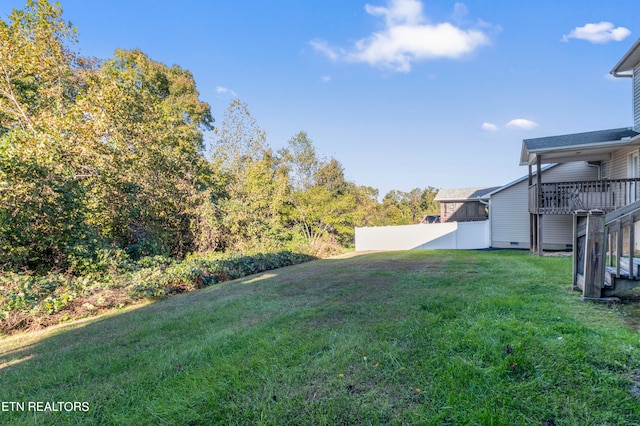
(464, 194)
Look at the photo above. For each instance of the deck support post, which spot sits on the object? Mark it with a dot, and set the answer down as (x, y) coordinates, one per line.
(595, 254)
(539, 248)
(532, 218)
(632, 244)
(532, 232)
(618, 247)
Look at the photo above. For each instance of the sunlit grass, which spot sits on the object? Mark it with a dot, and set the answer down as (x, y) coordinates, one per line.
(385, 338)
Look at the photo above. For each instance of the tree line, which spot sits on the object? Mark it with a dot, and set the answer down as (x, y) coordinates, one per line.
(107, 158)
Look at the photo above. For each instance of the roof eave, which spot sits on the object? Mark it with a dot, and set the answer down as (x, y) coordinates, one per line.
(624, 67)
(529, 157)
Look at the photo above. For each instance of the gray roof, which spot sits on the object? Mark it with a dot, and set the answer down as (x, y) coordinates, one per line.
(577, 139)
(464, 194)
(598, 140)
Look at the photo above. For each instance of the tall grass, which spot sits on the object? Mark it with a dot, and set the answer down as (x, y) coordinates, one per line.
(387, 338)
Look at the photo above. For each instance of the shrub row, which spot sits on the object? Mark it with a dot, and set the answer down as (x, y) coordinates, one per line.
(32, 301)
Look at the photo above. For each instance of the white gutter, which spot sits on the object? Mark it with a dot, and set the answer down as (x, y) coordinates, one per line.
(628, 61)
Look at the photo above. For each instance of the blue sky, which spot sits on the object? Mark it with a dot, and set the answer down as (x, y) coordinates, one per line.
(404, 93)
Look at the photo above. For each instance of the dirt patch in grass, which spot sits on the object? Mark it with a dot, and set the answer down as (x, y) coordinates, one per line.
(335, 289)
(630, 309)
(635, 384)
(357, 278)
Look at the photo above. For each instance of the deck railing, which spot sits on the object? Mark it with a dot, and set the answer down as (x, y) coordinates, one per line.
(567, 197)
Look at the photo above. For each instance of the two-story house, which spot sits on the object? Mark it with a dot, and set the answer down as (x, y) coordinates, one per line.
(614, 153)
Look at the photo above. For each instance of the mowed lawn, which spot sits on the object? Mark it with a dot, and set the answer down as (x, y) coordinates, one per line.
(419, 337)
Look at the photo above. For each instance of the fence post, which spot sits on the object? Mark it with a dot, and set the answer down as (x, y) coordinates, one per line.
(595, 253)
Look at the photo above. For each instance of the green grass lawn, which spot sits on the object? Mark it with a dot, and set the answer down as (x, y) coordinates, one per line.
(420, 337)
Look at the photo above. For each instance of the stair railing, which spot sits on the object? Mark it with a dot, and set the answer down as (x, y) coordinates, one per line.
(599, 240)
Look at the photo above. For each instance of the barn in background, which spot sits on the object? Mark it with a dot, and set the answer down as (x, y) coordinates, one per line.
(464, 204)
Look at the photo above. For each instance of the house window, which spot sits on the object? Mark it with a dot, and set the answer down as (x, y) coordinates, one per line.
(604, 170)
(634, 165)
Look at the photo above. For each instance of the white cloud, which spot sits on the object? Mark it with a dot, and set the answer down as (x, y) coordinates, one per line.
(401, 12)
(220, 90)
(460, 12)
(408, 37)
(602, 32)
(321, 46)
(326, 78)
(489, 127)
(522, 123)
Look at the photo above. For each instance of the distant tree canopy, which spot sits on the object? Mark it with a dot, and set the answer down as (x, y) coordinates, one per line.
(403, 208)
(106, 158)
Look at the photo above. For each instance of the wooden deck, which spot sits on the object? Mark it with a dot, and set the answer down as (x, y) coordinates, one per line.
(607, 195)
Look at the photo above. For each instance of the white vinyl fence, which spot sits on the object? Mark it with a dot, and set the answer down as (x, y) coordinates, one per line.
(434, 236)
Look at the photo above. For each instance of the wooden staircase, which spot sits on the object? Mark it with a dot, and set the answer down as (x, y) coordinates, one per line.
(616, 284)
(601, 270)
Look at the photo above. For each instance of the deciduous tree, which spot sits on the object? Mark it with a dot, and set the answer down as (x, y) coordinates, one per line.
(94, 153)
(250, 215)
(42, 202)
(147, 124)
(301, 160)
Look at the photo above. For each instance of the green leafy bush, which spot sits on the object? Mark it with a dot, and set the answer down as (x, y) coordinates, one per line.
(115, 281)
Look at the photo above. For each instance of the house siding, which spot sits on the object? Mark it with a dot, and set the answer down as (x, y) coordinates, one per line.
(510, 212)
(557, 232)
(636, 97)
(509, 217)
(570, 172)
(619, 163)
